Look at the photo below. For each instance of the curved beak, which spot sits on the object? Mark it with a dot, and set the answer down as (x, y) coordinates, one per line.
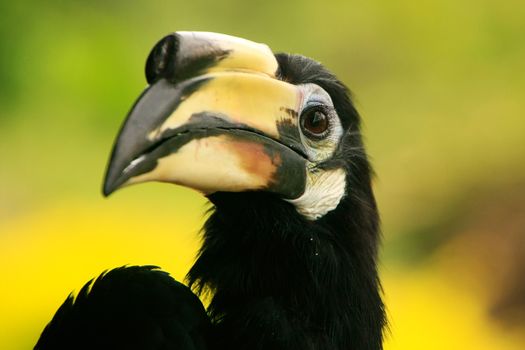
(214, 118)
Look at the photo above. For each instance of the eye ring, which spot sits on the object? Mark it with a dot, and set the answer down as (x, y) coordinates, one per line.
(315, 122)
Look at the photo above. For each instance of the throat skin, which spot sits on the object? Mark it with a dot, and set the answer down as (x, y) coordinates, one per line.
(280, 281)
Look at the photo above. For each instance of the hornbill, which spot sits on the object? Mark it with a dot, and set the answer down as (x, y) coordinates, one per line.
(289, 250)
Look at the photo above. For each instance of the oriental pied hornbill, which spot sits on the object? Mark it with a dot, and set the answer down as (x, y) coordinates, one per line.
(289, 249)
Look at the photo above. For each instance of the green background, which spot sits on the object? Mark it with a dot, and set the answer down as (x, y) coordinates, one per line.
(440, 86)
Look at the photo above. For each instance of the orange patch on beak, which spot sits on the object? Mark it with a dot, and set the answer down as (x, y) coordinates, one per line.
(255, 159)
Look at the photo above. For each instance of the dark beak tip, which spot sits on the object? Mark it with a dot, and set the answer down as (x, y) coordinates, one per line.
(108, 187)
(106, 190)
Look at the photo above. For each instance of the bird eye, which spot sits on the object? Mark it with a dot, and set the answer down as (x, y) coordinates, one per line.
(314, 122)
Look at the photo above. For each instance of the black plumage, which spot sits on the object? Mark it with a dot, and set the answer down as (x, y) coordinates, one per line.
(280, 281)
(134, 307)
(276, 279)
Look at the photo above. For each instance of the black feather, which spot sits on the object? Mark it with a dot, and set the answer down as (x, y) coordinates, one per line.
(279, 281)
(136, 307)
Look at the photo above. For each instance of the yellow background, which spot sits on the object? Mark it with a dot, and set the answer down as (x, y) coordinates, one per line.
(440, 85)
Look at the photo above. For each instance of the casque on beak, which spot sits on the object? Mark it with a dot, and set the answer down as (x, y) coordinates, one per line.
(214, 118)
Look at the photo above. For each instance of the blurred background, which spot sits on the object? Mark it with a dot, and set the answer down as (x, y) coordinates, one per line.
(440, 85)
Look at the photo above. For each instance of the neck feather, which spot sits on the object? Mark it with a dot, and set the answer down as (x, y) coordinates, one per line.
(279, 280)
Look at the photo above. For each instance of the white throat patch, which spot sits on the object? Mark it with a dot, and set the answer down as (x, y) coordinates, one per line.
(324, 191)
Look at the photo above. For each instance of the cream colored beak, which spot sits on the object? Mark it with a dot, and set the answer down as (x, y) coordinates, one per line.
(214, 118)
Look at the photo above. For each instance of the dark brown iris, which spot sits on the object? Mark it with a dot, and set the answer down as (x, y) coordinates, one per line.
(314, 122)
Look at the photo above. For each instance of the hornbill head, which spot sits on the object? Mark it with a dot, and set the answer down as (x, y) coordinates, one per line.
(224, 114)
(273, 141)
